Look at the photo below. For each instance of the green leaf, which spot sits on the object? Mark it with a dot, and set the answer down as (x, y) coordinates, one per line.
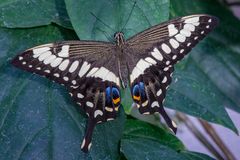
(196, 156)
(38, 119)
(144, 141)
(28, 13)
(115, 14)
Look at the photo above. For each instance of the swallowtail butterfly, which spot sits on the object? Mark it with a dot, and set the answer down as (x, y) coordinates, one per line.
(94, 71)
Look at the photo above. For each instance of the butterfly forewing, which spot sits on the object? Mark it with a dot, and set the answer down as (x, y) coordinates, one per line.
(156, 50)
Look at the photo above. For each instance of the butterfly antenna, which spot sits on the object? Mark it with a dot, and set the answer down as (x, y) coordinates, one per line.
(106, 35)
(129, 15)
(102, 21)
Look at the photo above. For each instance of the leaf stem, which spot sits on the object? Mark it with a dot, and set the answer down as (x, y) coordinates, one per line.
(213, 134)
(182, 117)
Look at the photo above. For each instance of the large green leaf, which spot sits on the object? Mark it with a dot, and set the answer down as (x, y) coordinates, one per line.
(38, 119)
(115, 14)
(144, 141)
(29, 13)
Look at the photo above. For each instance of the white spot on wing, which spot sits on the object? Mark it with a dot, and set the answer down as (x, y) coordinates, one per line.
(159, 92)
(49, 59)
(174, 124)
(180, 38)
(196, 24)
(189, 27)
(146, 113)
(65, 78)
(74, 82)
(155, 104)
(166, 69)
(74, 66)
(174, 57)
(174, 43)
(111, 77)
(108, 109)
(89, 104)
(64, 52)
(47, 71)
(44, 55)
(64, 65)
(172, 30)
(185, 32)
(56, 62)
(98, 112)
(192, 20)
(150, 60)
(165, 48)
(79, 95)
(168, 62)
(164, 79)
(85, 67)
(101, 73)
(156, 54)
(89, 146)
(145, 103)
(135, 73)
(38, 51)
(143, 65)
(83, 143)
(56, 75)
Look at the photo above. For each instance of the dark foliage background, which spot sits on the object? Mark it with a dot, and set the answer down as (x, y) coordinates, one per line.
(38, 120)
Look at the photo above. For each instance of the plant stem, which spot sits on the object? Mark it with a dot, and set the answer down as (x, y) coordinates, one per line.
(182, 117)
(213, 134)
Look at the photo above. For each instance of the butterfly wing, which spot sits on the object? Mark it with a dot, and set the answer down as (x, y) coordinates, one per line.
(155, 51)
(87, 69)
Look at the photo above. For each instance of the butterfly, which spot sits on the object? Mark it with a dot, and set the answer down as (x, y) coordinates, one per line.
(94, 72)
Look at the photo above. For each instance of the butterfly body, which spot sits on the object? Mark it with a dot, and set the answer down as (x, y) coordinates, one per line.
(95, 71)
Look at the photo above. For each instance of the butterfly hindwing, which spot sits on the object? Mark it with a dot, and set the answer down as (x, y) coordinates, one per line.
(156, 50)
(86, 69)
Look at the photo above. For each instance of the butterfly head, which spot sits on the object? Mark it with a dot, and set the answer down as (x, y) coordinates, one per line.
(119, 38)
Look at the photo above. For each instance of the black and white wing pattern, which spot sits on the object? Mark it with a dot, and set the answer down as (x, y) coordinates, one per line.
(87, 69)
(155, 51)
